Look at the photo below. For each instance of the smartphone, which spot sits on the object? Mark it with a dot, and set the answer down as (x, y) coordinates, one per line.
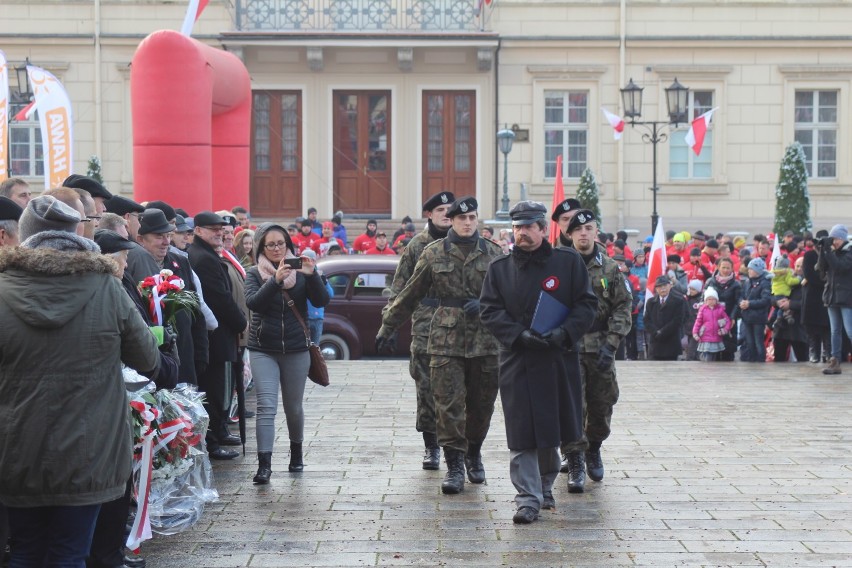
(293, 263)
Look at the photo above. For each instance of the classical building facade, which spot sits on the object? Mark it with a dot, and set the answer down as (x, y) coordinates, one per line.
(367, 106)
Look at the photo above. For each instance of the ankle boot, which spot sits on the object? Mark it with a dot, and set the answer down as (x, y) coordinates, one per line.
(454, 480)
(264, 468)
(576, 472)
(473, 463)
(296, 457)
(594, 461)
(432, 455)
(833, 367)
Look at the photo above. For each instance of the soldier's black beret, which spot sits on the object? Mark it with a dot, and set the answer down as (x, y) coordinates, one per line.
(122, 206)
(527, 213)
(443, 198)
(93, 186)
(9, 210)
(567, 205)
(582, 217)
(463, 205)
(111, 242)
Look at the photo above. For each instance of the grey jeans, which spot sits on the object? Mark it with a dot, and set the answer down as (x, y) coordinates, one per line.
(289, 371)
(533, 473)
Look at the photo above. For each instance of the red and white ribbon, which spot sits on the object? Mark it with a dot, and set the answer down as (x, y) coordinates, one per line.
(141, 530)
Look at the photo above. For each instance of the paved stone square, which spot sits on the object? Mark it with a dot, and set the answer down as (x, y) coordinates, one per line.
(716, 464)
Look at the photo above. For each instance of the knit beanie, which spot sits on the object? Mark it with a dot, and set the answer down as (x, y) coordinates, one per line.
(782, 262)
(757, 265)
(839, 232)
(696, 285)
(46, 213)
(711, 293)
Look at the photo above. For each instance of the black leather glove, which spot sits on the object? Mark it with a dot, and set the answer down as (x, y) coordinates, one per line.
(169, 345)
(471, 308)
(606, 357)
(556, 338)
(531, 340)
(388, 343)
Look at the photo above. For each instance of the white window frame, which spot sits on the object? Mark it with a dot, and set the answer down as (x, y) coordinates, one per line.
(691, 157)
(566, 127)
(816, 127)
(32, 125)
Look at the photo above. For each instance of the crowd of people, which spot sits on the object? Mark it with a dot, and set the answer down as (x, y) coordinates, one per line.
(72, 258)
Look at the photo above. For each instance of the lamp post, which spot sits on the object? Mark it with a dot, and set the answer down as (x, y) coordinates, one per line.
(677, 101)
(24, 92)
(505, 138)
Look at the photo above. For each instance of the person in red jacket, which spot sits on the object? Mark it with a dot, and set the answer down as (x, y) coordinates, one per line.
(366, 240)
(710, 254)
(381, 245)
(306, 239)
(694, 269)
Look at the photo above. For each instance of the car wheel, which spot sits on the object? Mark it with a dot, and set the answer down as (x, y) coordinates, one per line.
(333, 347)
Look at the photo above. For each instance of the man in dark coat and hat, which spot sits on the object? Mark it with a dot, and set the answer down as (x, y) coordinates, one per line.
(664, 315)
(539, 371)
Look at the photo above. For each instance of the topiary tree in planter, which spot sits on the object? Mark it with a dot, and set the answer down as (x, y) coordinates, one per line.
(792, 202)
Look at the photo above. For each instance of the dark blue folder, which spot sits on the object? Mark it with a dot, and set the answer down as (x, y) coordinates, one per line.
(549, 313)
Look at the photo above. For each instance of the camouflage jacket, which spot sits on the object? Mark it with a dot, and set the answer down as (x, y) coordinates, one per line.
(422, 315)
(445, 278)
(615, 302)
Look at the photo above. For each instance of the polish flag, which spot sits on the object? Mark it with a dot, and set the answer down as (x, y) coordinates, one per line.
(656, 260)
(26, 113)
(776, 254)
(695, 136)
(193, 12)
(616, 122)
(558, 197)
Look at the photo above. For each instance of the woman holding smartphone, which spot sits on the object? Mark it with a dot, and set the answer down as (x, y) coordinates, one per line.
(277, 344)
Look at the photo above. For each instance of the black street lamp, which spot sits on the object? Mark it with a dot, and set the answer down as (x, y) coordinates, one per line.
(24, 92)
(505, 138)
(677, 101)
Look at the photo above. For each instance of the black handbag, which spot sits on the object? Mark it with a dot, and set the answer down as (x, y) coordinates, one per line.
(318, 372)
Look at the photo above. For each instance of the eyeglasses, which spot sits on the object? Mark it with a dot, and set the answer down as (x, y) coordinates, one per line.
(273, 246)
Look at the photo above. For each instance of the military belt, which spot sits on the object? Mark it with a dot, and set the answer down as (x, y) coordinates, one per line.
(446, 302)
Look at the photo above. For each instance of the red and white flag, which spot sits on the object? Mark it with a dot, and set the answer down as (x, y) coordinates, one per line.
(4, 114)
(56, 125)
(616, 122)
(695, 137)
(776, 254)
(26, 113)
(656, 260)
(193, 12)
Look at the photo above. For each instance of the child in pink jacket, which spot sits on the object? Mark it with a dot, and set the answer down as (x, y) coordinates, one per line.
(711, 325)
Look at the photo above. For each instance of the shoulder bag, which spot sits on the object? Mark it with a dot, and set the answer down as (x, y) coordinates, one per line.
(318, 372)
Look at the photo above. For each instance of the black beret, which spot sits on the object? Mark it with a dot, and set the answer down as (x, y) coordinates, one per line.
(527, 213)
(9, 210)
(463, 205)
(565, 206)
(122, 206)
(94, 187)
(443, 198)
(167, 209)
(673, 258)
(208, 218)
(661, 281)
(111, 242)
(582, 217)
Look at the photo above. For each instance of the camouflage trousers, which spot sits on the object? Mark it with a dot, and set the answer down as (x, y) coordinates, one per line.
(418, 367)
(465, 391)
(600, 393)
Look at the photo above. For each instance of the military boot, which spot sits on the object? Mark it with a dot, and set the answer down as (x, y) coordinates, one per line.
(473, 463)
(594, 461)
(576, 472)
(454, 480)
(296, 463)
(432, 455)
(264, 468)
(833, 367)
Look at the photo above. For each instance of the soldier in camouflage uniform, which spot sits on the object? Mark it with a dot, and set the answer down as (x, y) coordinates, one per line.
(597, 352)
(435, 208)
(463, 365)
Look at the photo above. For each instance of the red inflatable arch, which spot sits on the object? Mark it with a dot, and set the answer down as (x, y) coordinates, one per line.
(191, 108)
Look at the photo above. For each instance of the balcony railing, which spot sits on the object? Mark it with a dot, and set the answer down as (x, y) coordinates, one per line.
(358, 15)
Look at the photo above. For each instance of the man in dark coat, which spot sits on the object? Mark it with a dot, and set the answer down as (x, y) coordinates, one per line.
(539, 373)
(216, 287)
(664, 314)
(814, 312)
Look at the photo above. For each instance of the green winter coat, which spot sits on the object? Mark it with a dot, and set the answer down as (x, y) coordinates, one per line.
(67, 325)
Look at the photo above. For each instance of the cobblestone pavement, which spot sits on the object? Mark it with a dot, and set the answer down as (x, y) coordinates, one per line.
(721, 465)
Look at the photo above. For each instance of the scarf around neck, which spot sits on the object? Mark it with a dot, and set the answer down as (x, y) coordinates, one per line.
(267, 270)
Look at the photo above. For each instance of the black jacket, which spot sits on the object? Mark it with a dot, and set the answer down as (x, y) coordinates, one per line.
(837, 266)
(758, 292)
(664, 324)
(274, 327)
(541, 391)
(814, 313)
(216, 287)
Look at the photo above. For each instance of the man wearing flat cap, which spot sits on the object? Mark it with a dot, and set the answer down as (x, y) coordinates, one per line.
(463, 352)
(435, 209)
(562, 216)
(10, 212)
(597, 350)
(664, 316)
(224, 341)
(129, 210)
(95, 188)
(540, 384)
